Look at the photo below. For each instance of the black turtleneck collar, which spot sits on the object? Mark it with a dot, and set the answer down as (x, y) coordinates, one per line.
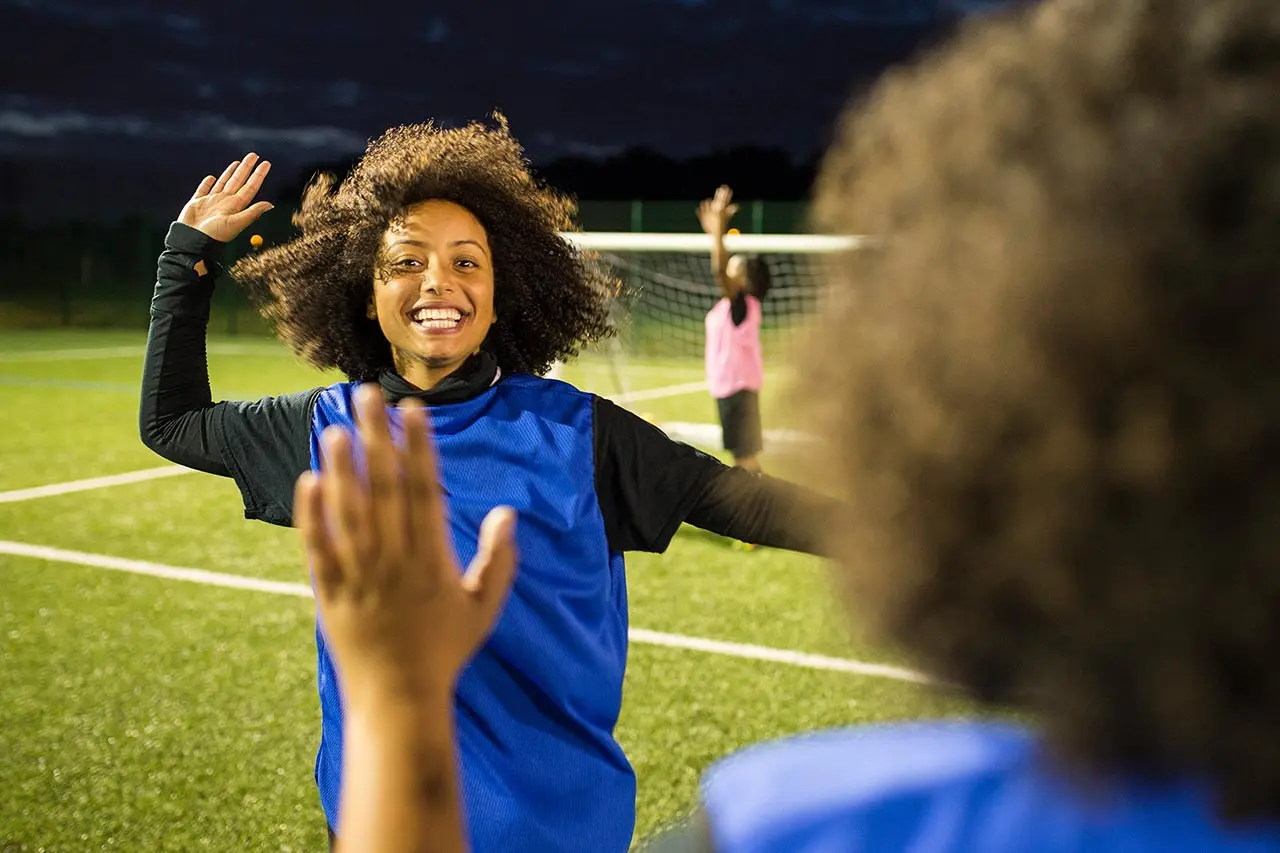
(476, 374)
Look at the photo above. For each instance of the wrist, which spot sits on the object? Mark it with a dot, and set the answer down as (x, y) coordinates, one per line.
(374, 691)
(188, 240)
(399, 722)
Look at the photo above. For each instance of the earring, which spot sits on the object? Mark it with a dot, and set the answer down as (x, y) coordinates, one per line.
(372, 311)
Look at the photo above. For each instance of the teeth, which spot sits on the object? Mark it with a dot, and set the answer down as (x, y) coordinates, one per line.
(437, 318)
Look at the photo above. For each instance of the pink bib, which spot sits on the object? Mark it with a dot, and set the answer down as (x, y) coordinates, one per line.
(735, 360)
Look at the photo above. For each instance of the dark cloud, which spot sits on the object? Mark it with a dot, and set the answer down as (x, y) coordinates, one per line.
(170, 90)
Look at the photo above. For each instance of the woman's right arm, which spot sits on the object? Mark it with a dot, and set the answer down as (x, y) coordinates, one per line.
(177, 414)
(263, 445)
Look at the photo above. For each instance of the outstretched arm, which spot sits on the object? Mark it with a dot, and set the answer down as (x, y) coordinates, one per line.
(648, 484)
(715, 214)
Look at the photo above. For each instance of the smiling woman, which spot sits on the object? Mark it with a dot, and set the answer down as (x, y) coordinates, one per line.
(436, 270)
(433, 291)
(415, 185)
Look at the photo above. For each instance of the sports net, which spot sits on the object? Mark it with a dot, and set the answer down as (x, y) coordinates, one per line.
(668, 288)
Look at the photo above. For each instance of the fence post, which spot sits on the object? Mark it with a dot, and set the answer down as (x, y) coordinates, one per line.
(637, 215)
(757, 217)
(68, 292)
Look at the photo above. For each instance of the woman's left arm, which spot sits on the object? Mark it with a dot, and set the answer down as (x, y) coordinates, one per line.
(648, 485)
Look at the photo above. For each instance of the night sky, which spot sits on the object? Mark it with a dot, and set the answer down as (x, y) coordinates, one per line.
(120, 106)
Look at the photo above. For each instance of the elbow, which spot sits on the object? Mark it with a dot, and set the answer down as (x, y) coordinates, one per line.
(157, 439)
(153, 438)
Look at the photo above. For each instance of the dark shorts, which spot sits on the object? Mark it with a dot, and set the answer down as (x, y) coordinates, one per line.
(740, 420)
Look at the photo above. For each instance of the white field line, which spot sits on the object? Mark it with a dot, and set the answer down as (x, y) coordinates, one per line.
(637, 635)
(92, 483)
(92, 353)
(658, 393)
(155, 570)
(595, 366)
(85, 354)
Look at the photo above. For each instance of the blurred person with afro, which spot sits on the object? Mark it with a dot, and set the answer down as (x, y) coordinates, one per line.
(1049, 395)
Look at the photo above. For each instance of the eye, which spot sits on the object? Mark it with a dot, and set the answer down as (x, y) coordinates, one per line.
(466, 263)
(403, 266)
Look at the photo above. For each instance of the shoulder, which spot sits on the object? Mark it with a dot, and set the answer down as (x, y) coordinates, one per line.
(540, 384)
(867, 775)
(537, 392)
(888, 758)
(546, 400)
(333, 404)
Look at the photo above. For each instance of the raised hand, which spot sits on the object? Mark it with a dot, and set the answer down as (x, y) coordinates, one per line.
(717, 212)
(223, 207)
(401, 619)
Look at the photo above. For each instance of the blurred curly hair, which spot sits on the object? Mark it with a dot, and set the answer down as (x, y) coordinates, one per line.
(1052, 388)
(550, 299)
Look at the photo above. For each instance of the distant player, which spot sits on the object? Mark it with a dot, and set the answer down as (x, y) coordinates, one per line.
(734, 356)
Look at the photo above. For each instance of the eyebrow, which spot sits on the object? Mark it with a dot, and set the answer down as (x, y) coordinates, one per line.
(409, 241)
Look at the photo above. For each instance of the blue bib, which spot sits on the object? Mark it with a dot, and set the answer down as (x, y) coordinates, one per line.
(537, 706)
(947, 788)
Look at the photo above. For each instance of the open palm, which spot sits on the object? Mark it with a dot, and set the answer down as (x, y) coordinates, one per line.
(717, 212)
(223, 207)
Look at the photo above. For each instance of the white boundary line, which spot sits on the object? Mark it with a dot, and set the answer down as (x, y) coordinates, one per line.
(155, 570)
(658, 393)
(764, 653)
(93, 483)
(637, 635)
(91, 353)
(87, 353)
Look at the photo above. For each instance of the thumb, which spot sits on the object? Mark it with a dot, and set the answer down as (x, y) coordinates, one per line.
(491, 573)
(248, 216)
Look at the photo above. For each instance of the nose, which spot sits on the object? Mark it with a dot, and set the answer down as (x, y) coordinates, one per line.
(436, 279)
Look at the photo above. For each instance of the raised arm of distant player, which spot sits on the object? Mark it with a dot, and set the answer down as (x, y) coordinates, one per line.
(715, 214)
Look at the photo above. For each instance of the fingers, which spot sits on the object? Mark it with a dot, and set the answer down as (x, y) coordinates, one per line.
(428, 532)
(491, 573)
(254, 181)
(386, 486)
(242, 220)
(241, 173)
(346, 504)
(308, 516)
(203, 189)
(220, 184)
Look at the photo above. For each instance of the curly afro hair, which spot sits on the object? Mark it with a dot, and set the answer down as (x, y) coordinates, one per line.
(1052, 385)
(315, 289)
